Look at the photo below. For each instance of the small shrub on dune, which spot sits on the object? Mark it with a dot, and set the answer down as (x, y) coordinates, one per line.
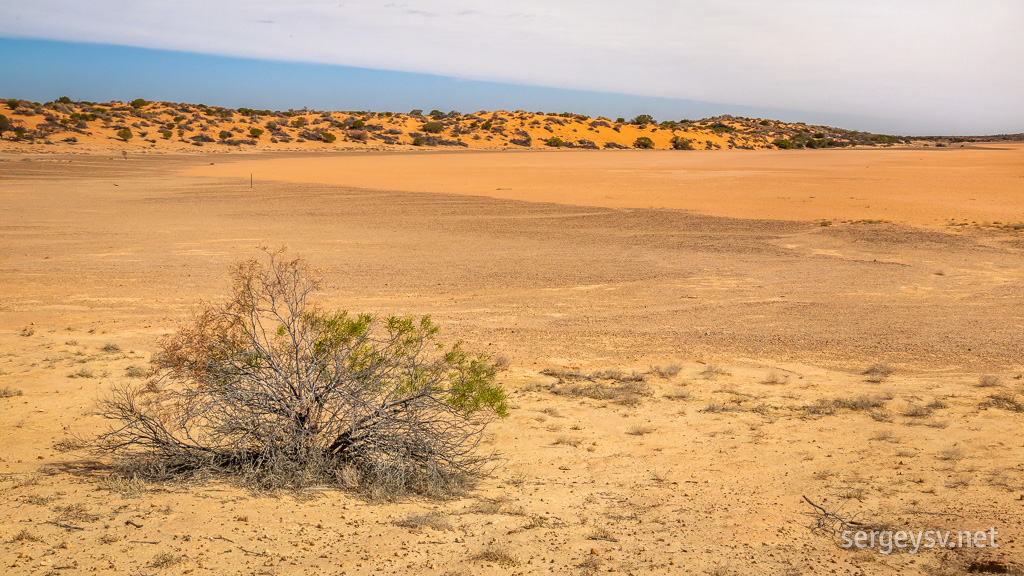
(680, 143)
(643, 142)
(433, 127)
(125, 134)
(554, 142)
(328, 137)
(255, 132)
(642, 120)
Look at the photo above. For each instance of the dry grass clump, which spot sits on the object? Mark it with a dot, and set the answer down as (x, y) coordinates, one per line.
(1006, 401)
(68, 445)
(434, 520)
(875, 405)
(25, 536)
(952, 454)
(853, 494)
(917, 411)
(590, 565)
(568, 441)
(166, 560)
(123, 484)
(879, 372)
(860, 403)
(712, 371)
(10, 392)
(885, 436)
(497, 555)
(718, 407)
(667, 372)
(37, 500)
(679, 394)
(639, 430)
(881, 415)
(626, 393)
(111, 348)
(83, 372)
(774, 378)
(109, 538)
(75, 512)
(988, 381)
(134, 371)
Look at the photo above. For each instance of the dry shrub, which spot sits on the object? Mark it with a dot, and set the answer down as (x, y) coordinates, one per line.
(434, 520)
(667, 372)
(774, 378)
(988, 381)
(10, 392)
(1006, 401)
(166, 560)
(269, 388)
(639, 430)
(679, 394)
(68, 445)
(497, 555)
(712, 371)
(917, 411)
(568, 441)
(878, 372)
(25, 536)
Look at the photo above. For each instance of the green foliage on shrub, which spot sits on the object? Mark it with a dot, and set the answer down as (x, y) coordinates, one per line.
(255, 132)
(224, 135)
(554, 142)
(643, 142)
(433, 127)
(783, 144)
(642, 120)
(5, 125)
(416, 112)
(138, 103)
(13, 104)
(487, 125)
(328, 137)
(64, 100)
(125, 134)
(418, 141)
(166, 134)
(299, 122)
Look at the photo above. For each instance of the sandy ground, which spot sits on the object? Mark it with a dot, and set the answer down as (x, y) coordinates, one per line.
(770, 317)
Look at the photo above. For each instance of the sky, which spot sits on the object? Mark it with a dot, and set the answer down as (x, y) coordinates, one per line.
(895, 66)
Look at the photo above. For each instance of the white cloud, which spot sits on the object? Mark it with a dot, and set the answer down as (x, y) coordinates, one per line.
(921, 59)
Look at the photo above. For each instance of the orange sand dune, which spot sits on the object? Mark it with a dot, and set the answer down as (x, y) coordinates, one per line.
(922, 187)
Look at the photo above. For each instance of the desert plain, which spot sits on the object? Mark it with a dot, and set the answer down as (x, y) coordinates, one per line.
(841, 325)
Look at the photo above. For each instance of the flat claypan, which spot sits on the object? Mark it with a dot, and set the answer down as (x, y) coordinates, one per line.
(922, 187)
(580, 260)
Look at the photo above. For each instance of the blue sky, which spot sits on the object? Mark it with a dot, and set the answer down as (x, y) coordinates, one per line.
(896, 66)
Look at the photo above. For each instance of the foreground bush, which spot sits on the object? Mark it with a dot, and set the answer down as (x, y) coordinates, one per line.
(270, 387)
